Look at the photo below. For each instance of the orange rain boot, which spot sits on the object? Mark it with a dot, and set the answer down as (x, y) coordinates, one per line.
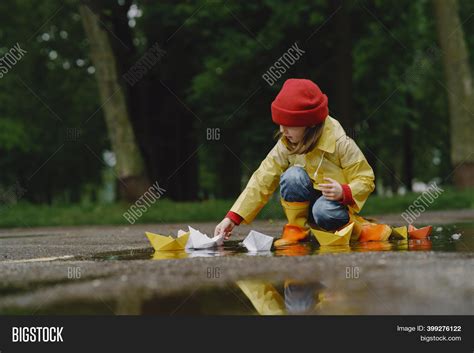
(296, 230)
(359, 222)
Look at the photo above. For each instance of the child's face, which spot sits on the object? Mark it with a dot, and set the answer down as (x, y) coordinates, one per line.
(294, 134)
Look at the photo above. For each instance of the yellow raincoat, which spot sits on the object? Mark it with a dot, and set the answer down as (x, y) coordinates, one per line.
(335, 156)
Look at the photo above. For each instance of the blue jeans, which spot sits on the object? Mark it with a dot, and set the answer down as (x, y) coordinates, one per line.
(295, 185)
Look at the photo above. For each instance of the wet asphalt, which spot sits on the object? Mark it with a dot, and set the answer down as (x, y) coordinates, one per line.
(64, 270)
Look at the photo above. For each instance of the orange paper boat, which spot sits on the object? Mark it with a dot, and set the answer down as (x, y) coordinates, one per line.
(375, 232)
(421, 233)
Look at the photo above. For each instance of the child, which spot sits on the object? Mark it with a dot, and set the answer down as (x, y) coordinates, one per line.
(322, 173)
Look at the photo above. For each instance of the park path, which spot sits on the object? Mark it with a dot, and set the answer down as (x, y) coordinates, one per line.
(53, 270)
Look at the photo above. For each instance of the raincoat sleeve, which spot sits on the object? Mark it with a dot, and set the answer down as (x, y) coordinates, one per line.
(262, 183)
(357, 171)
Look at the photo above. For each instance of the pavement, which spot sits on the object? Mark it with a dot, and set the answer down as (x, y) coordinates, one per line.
(74, 270)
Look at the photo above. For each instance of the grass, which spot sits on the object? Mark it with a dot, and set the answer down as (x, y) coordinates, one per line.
(449, 199)
(31, 215)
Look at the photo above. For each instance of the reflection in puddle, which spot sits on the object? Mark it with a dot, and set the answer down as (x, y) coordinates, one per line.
(245, 297)
(337, 296)
(334, 249)
(295, 250)
(420, 244)
(296, 297)
(441, 240)
(373, 246)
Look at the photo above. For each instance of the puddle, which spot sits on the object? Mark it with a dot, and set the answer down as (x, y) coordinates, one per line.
(336, 296)
(244, 297)
(229, 248)
(440, 240)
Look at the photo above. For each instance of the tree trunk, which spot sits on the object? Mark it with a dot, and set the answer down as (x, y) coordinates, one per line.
(460, 90)
(130, 167)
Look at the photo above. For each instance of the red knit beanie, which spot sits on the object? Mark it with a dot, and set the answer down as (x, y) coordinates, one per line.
(299, 103)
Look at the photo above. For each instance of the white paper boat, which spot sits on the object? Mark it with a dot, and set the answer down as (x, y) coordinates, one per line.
(256, 241)
(198, 240)
(181, 232)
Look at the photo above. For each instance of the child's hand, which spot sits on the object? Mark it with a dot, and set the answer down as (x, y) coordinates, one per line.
(332, 191)
(224, 228)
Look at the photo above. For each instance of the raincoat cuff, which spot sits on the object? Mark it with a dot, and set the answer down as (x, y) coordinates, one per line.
(234, 217)
(347, 195)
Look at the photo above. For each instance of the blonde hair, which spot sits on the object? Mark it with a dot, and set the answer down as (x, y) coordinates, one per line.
(307, 143)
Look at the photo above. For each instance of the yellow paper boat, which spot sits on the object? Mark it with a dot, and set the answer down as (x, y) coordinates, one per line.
(399, 232)
(167, 243)
(341, 237)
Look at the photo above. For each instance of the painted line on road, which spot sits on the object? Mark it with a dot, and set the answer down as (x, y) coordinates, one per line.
(38, 259)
